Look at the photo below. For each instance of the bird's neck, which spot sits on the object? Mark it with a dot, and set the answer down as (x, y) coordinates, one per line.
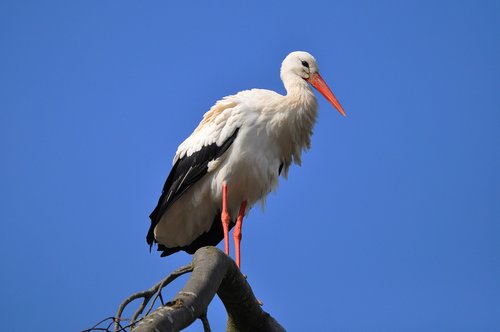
(296, 119)
(300, 101)
(299, 95)
(294, 84)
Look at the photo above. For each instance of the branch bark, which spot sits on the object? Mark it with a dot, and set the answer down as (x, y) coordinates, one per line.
(213, 272)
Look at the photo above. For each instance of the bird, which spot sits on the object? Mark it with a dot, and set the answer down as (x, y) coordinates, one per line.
(234, 159)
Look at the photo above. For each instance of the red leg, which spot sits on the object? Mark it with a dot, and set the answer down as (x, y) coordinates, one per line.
(226, 218)
(237, 231)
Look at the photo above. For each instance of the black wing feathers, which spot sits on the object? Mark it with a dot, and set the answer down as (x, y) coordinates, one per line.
(186, 172)
(210, 238)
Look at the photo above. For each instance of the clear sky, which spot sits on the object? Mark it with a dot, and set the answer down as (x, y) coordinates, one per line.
(392, 223)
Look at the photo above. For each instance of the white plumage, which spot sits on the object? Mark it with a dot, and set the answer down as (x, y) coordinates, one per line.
(266, 131)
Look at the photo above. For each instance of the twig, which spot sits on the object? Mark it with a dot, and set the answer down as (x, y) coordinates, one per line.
(96, 328)
(147, 294)
(205, 322)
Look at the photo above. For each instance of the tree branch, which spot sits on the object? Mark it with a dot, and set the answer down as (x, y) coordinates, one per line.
(213, 272)
(147, 294)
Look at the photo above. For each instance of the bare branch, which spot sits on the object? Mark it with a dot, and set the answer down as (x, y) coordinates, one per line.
(213, 272)
(96, 328)
(205, 322)
(147, 294)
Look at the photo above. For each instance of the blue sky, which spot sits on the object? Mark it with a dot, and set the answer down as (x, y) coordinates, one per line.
(391, 224)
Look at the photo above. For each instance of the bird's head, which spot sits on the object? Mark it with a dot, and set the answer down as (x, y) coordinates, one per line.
(302, 66)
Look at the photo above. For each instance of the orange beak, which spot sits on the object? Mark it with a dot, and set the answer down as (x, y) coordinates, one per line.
(317, 81)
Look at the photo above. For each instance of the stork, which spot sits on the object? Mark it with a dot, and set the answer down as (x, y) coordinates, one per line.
(234, 158)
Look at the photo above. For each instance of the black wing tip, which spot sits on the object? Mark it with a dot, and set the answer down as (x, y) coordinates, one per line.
(167, 251)
(210, 238)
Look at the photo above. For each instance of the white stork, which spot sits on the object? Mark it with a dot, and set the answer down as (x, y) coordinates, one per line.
(234, 158)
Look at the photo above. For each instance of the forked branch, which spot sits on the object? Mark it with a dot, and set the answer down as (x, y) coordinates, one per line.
(213, 272)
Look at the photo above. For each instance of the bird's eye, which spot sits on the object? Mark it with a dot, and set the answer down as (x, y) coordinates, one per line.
(305, 64)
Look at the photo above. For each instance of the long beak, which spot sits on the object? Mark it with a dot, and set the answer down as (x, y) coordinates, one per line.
(317, 81)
